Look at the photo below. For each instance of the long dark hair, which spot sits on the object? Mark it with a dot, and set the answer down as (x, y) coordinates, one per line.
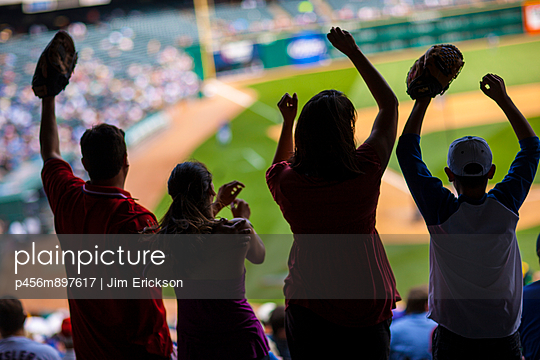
(324, 138)
(190, 213)
(189, 187)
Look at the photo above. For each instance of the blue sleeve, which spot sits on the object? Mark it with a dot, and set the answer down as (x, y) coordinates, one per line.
(513, 189)
(435, 202)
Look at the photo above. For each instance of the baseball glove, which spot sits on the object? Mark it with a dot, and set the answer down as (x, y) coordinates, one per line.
(433, 72)
(55, 66)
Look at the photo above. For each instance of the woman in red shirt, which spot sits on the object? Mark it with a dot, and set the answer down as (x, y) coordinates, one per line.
(340, 290)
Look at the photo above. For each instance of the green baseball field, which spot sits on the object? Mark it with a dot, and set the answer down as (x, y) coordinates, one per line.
(250, 151)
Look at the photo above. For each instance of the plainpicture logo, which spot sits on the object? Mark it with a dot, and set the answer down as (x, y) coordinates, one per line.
(86, 257)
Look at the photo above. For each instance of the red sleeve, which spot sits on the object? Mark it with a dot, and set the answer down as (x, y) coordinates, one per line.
(57, 177)
(272, 176)
(367, 156)
(367, 152)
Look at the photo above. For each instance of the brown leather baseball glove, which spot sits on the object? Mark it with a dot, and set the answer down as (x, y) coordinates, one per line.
(433, 72)
(55, 66)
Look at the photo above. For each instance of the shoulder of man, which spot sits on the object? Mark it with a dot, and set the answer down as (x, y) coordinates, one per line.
(133, 218)
(56, 173)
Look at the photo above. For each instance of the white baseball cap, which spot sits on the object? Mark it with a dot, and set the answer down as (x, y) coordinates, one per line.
(469, 150)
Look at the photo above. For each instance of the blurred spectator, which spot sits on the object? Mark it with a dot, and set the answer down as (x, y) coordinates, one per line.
(63, 341)
(16, 228)
(411, 334)
(278, 335)
(120, 95)
(399, 311)
(14, 345)
(530, 318)
(3, 226)
(527, 273)
(263, 314)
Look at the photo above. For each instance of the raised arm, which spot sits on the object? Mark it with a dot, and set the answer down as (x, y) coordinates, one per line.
(515, 186)
(493, 86)
(288, 106)
(48, 133)
(416, 118)
(256, 250)
(435, 202)
(383, 133)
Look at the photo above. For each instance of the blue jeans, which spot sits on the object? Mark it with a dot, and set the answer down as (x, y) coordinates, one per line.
(448, 345)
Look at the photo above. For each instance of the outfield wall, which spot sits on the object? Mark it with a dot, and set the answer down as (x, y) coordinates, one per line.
(311, 47)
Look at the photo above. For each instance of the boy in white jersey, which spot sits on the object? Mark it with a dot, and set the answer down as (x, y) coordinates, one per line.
(475, 266)
(14, 345)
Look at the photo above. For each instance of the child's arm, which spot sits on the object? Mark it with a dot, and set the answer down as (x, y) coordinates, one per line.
(416, 118)
(256, 250)
(383, 133)
(515, 186)
(435, 202)
(289, 107)
(493, 86)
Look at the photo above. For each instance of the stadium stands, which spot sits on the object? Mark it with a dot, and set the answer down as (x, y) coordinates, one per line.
(127, 69)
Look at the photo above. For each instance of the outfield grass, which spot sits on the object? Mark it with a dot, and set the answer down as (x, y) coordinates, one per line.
(512, 62)
(250, 153)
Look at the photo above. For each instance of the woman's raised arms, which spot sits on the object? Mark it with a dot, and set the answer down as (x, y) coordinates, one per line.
(383, 133)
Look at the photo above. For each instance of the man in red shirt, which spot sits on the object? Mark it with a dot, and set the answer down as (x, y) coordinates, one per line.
(102, 329)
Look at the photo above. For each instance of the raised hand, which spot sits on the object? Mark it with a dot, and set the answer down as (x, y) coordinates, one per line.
(383, 133)
(240, 209)
(228, 192)
(342, 40)
(289, 107)
(226, 195)
(493, 86)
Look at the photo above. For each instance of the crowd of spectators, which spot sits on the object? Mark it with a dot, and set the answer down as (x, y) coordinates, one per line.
(411, 329)
(98, 92)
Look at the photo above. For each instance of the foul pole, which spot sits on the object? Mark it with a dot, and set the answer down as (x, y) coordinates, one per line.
(202, 14)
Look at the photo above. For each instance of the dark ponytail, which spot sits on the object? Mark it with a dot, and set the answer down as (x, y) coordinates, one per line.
(190, 214)
(189, 186)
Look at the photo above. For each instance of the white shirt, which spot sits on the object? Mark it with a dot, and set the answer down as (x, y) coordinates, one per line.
(21, 348)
